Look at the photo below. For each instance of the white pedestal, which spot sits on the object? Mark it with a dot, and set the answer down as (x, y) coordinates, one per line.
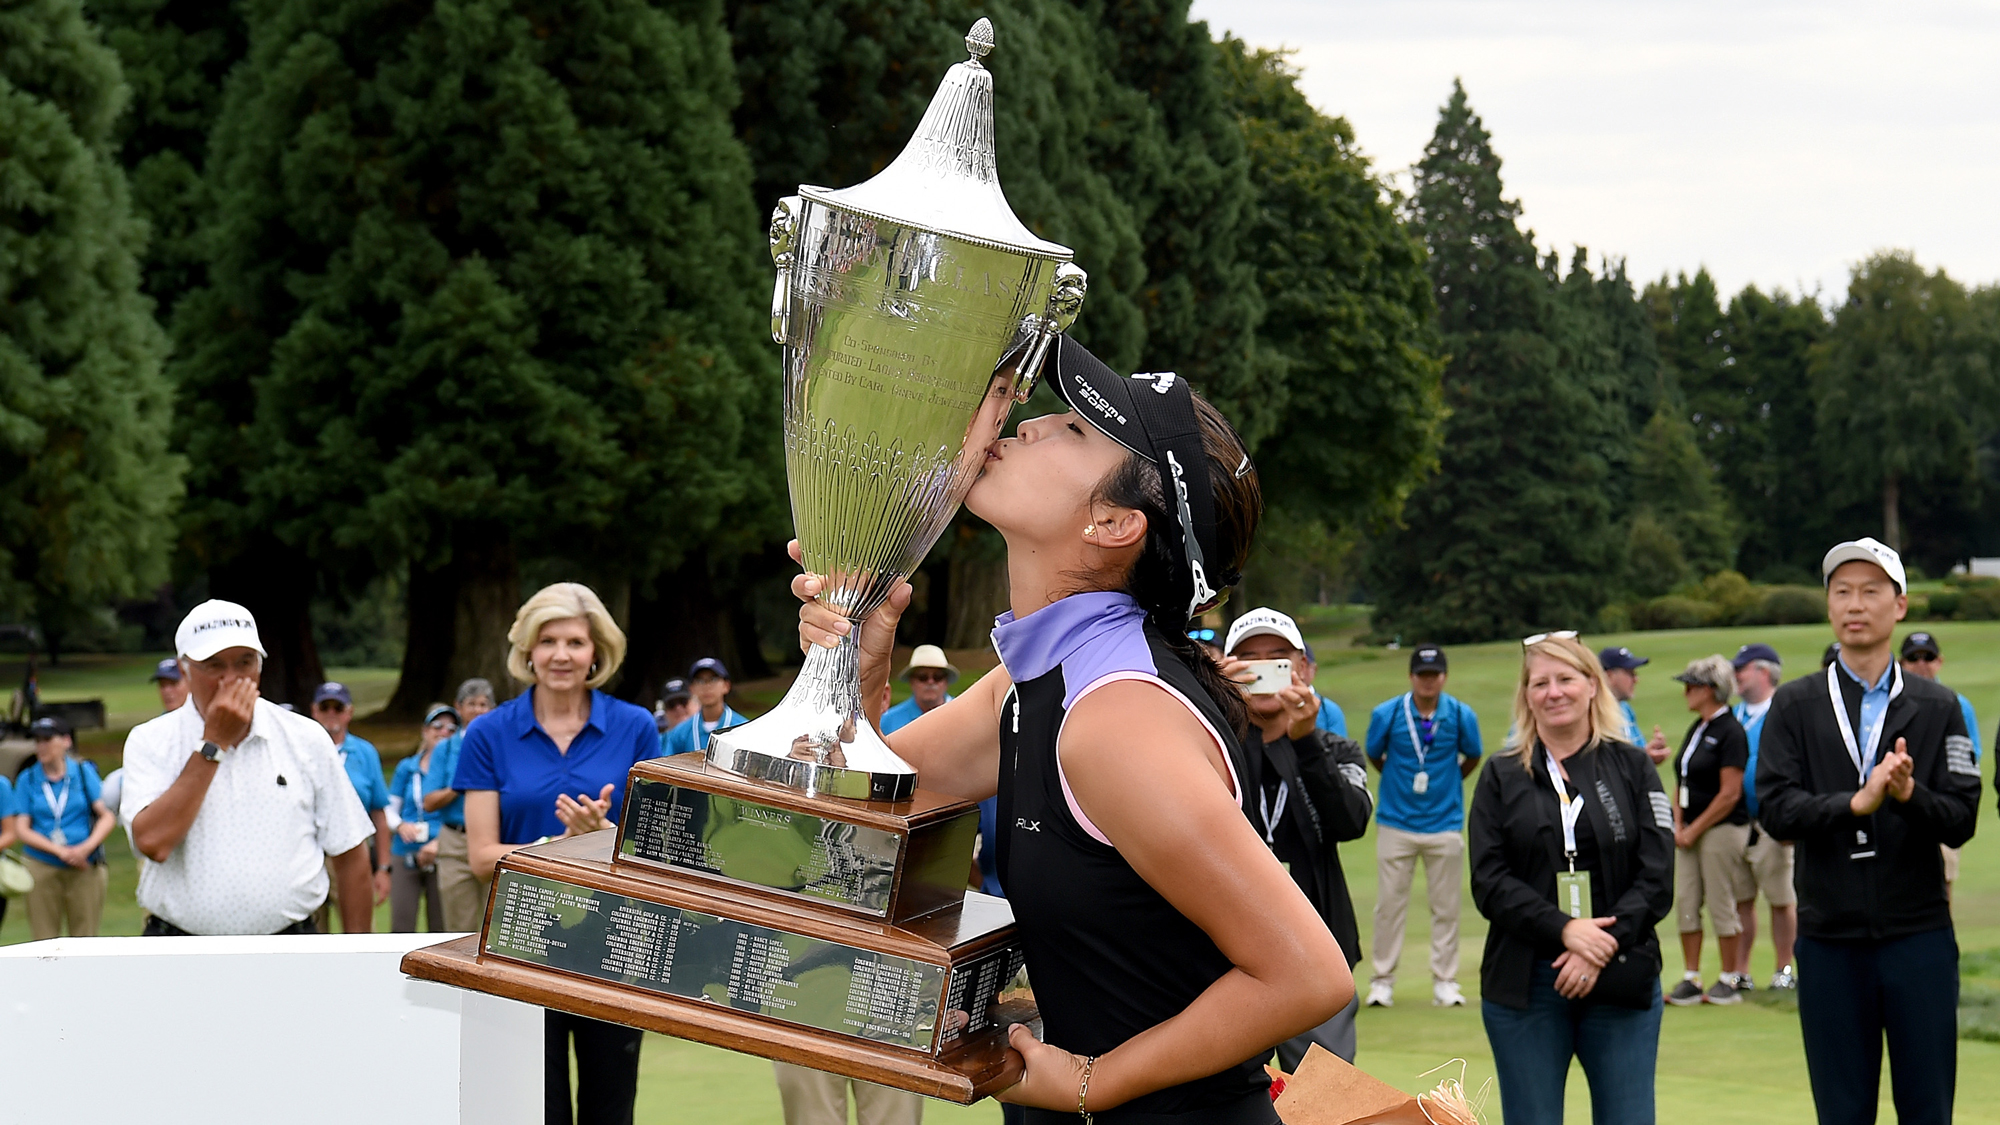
(216, 1031)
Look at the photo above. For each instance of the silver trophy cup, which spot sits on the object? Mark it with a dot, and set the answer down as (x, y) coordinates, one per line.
(915, 309)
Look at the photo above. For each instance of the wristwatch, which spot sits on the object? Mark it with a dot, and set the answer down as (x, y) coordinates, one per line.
(212, 752)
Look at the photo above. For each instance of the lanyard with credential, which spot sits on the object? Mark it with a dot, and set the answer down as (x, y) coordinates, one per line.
(1274, 813)
(1687, 755)
(57, 806)
(1421, 783)
(1863, 762)
(1572, 808)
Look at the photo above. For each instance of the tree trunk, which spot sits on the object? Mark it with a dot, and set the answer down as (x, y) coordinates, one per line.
(458, 614)
(674, 624)
(978, 586)
(428, 599)
(1892, 522)
(274, 582)
(488, 596)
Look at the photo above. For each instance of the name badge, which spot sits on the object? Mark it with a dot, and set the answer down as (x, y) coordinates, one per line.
(1684, 796)
(1420, 784)
(1573, 893)
(1863, 847)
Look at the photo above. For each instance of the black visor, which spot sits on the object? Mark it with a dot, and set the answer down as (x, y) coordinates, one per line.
(1153, 416)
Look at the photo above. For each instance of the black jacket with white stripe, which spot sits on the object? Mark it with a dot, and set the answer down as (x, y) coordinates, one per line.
(1515, 844)
(1805, 779)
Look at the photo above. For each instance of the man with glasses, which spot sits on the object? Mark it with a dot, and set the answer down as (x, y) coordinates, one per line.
(1424, 742)
(1621, 671)
(463, 892)
(1867, 770)
(1922, 658)
(333, 709)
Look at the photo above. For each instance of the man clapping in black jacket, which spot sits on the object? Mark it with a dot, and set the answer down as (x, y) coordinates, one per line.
(1868, 771)
(1305, 790)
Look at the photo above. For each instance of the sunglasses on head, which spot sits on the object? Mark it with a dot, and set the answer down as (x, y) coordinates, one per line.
(1206, 635)
(1558, 635)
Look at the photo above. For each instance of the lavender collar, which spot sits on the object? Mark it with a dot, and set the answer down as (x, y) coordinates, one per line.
(1089, 636)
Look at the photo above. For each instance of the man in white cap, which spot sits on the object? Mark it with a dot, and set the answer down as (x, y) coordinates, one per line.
(1305, 791)
(1867, 771)
(237, 801)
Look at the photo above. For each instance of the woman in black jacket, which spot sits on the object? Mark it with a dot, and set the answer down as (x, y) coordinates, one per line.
(1573, 886)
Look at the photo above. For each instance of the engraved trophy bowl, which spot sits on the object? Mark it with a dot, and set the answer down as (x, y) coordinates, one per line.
(914, 309)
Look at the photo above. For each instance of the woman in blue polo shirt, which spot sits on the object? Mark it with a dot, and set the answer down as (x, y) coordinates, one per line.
(551, 762)
(413, 870)
(63, 823)
(9, 832)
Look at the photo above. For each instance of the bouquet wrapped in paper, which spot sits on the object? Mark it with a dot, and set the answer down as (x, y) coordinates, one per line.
(1328, 1090)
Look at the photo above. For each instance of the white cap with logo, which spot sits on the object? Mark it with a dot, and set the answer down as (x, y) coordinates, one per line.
(215, 625)
(1866, 549)
(1260, 621)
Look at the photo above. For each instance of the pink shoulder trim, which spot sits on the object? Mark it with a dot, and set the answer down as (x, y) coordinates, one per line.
(1069, 798)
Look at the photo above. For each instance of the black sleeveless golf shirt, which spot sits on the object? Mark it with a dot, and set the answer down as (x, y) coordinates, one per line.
(1108, 957)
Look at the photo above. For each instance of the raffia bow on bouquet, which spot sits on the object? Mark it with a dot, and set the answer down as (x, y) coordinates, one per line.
(1328, 1090)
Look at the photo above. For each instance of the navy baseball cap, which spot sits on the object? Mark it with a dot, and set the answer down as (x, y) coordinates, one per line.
(1618, 656)
(673, 691)
(168, 669)
(1920, 643)
(1427, 658)
(331, 690)
(710, 665)
(49, 726)
(1753, 652)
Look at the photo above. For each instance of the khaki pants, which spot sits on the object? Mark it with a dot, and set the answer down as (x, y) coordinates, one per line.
(73, 893)
(1716, 871)
(1396, 854)
(1771, 869)
(464, 896)
(813, 1097)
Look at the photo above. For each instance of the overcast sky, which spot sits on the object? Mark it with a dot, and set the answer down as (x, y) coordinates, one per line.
(1773, 142)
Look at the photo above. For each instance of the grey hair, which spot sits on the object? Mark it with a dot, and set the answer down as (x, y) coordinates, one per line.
(1713, 672)
(476, 688)
(1771, 668)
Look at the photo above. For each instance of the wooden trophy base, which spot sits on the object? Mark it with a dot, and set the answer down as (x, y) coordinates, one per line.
(915, 1006)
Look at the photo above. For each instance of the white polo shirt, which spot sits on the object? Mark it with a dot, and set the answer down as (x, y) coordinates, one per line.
(253, 861)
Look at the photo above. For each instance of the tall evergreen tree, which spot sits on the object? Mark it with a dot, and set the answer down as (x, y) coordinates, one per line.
(176, 54)
(484, 290)
(1681, 526)
(1900, 385)
(1352, 404)
(1517, 529)
(87, 484)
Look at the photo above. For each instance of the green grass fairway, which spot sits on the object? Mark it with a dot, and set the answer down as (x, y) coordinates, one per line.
(1717, 1066)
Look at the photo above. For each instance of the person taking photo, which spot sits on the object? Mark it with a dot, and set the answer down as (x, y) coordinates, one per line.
(1867, 770)
(1169, 948)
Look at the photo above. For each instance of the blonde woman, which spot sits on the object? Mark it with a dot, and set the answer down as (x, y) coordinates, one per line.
(1571, 846)
(551, 762)
(1711, 828)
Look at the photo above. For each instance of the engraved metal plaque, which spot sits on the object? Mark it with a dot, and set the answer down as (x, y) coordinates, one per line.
(747, 842)
(679, 952)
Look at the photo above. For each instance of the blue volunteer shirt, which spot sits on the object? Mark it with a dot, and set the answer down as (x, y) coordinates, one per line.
(38, 798)
(1632, 734)
(7, 806)
(1753, 729)
(692, 733)
(1331, 719)
(364, 769)
(902, 715)
(444, 765)
(1971, 725)
(1453, 734)
(508, 752)
(408, 787)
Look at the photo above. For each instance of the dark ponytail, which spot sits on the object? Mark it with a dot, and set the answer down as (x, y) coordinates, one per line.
(1157, 580)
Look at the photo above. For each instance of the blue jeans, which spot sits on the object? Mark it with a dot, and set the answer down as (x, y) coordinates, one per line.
(1532, 1047)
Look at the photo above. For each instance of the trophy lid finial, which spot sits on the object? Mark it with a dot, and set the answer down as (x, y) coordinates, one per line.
(979, 40)
(945, 179)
